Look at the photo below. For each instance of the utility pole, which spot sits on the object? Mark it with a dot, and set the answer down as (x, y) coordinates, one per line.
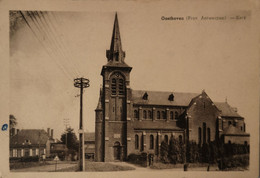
(81, 83)
(66, 123)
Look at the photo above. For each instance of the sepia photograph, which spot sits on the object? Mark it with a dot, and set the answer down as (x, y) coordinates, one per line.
(139, 89)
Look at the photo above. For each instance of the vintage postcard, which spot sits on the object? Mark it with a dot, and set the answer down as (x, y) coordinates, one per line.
(129, 88)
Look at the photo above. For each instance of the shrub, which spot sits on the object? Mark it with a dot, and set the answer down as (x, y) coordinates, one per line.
(140, 159)
(234, 161)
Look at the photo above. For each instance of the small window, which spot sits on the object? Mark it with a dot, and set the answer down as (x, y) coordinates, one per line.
(117, 56)
(135, 114)
(229, 142)
(144, 114)
(166, 138)
(241, 128)
(136, 141)
(171, 115)
(149, 115)
(151, 142)
(176, 115)
(158, 115)
(163, 114)
(208, 135)
(18, 152)
(199, 135)
(229, 123)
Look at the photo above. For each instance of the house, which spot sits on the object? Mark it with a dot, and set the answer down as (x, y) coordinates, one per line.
(31, 142)
(89, 145)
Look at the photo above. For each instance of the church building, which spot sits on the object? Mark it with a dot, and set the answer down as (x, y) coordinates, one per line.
(132, 121)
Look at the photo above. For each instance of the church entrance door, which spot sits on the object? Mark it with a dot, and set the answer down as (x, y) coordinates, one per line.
(117, 151)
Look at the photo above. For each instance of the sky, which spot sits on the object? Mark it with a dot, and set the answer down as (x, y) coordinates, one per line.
(177, 56)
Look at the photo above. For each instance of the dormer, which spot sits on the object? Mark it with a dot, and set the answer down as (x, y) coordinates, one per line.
(145, 96)
(171, 97)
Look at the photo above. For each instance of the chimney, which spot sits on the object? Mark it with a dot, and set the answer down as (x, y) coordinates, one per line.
(48, 131)
(52, 133)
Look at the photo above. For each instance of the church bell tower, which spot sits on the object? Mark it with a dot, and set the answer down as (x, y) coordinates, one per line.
(115, 97)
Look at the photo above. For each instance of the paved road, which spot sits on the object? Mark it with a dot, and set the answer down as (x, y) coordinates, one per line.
(46, 168)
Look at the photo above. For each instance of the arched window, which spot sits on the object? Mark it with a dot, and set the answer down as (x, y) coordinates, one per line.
(199, 135)
(144, 114)
(176, 115)
(136, 141)
(113, 87)
(158, 115)
(171, 115)
(208, 135)
(180, 138)
(149, 114)
(166, 138)
(151, 142)
(117, 56)
(204, 132)
(121, 86)
(117, 84)
(135, 114)
(163, 114)
(142, 143)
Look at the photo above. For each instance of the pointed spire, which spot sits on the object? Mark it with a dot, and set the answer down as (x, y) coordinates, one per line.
(116, 54)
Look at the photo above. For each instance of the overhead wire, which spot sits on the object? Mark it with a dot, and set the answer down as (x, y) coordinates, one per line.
(46, 50)
(58, 21)
(48, 38)
(59, 41)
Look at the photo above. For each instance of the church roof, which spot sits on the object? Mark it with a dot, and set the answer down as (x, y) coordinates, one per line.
(162, 98)
(232, 130)
(226, 109)
(33, 136)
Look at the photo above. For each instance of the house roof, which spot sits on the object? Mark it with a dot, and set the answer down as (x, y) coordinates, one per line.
(226, 109)
(58, 146)
(161, 98)
(161, 125)
(89, 136)
(34, 136)
(232, 130)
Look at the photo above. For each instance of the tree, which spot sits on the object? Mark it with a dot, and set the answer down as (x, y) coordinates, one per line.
(70, 138)
(12, 121)
(164, 151)
(173, 151)
(12, 124)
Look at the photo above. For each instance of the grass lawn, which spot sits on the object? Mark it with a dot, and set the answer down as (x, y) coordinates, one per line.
(104, 167)
(20, 165)
(159, 165)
